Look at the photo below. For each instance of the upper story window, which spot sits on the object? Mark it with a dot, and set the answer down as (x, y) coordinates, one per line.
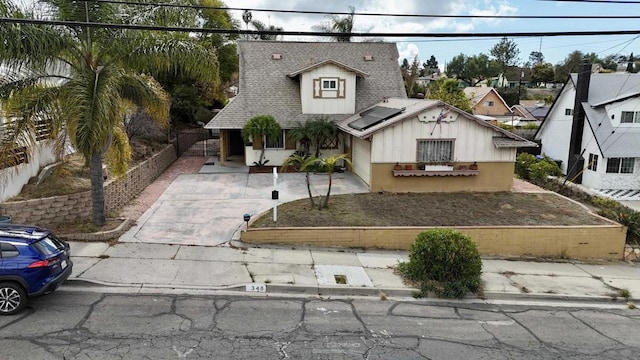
(593, 162)
(620, 165)
(630, 117)
(568, 112)
(329, 84)
(435, 151)
(488, 103)
(329, 88)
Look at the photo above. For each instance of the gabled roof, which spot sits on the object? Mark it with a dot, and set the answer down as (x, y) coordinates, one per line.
(607, 88)
(604, 89)
(476, 94)
(328, 62)
(410, 108)
(266, 88)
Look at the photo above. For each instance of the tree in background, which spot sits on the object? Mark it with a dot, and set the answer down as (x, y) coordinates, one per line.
(542, 73)
(430, 67)
(410, 73)
(535, 58)
(448, 91)
(505, 53)
(340, 26)
(472, 69)
(571, 64)
(83, 81)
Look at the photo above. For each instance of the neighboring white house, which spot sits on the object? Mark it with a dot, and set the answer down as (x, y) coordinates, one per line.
(602, 150)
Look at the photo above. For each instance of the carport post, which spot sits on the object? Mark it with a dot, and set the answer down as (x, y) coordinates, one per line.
(274, 195)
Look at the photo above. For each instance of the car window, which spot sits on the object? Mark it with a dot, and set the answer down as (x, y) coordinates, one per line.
(7, 250)
(48, 245)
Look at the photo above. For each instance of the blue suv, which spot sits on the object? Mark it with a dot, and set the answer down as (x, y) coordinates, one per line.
(33, 262)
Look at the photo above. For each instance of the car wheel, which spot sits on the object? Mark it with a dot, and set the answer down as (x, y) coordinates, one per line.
(12, 298)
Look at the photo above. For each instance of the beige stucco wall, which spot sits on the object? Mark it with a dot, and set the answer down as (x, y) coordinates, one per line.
(578, 242)
(498, 108)
(493, 176)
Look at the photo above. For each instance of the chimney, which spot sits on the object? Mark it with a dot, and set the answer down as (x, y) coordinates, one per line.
(575, 160)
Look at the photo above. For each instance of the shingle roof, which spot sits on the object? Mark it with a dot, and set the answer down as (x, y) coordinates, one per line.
(620, 141)
(265, 87)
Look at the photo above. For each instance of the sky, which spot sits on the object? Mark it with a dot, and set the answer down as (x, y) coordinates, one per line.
(554, 49)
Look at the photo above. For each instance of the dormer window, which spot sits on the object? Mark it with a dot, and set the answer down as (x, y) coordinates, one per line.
(329, 84)
(329, 88)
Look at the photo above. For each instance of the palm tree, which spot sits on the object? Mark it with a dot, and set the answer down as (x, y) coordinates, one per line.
(322, 130)
(260, 26)
(304, 163)
(83, 80)
(263, 127)
(340, 26)
(329, 165)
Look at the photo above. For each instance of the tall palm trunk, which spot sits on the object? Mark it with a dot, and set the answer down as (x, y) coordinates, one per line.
(326, 199)
(309, 188)
(97, 188)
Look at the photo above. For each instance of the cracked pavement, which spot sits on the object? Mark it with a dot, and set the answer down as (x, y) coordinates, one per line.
(92, 325)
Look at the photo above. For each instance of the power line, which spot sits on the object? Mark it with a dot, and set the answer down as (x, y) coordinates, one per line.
(598, 1)
(311, 33)
(312, 12)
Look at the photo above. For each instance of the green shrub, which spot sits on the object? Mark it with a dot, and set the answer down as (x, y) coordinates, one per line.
(544, 168)
(445, 262)
(523, 163)
(626, 216)
(529, 167)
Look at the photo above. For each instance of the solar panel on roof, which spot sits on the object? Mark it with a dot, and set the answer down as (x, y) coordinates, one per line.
(373, 116)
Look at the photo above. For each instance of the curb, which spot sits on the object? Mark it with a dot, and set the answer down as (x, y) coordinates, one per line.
(101, 235)
(273, 289)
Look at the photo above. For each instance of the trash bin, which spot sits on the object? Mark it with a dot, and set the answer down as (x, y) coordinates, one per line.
(5, 219)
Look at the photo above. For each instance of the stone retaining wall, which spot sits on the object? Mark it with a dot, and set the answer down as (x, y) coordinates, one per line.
(118, 192)
(577, 242)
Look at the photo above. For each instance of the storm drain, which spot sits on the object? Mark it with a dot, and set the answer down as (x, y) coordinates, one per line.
(342, 275)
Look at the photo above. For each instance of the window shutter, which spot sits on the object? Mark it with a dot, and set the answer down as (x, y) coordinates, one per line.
(290, 143)
(317, 92)
(341, 88)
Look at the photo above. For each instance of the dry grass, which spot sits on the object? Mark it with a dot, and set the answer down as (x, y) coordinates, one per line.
(434, 209)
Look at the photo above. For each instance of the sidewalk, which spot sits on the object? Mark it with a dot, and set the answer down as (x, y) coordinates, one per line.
(156, 267)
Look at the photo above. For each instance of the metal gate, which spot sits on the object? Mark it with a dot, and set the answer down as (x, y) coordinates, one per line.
(196, 142)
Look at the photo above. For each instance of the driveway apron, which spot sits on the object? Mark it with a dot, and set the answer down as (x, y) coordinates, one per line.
(207, 209)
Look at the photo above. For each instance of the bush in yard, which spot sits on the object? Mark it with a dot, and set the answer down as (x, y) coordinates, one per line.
(626, 216)
(445, 262)
(523, 163)
(544, 168)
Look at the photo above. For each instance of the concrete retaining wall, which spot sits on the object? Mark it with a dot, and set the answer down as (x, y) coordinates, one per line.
(579, 242)
(66, 208)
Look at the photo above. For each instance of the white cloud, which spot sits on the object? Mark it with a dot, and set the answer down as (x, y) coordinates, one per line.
(408, 51)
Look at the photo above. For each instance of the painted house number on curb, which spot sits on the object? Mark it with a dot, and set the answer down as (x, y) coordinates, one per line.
(256, 288)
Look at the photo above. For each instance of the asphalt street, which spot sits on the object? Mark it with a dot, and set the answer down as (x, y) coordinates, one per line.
(82, 324)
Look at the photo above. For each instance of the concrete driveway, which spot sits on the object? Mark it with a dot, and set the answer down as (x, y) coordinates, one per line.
(207, 208)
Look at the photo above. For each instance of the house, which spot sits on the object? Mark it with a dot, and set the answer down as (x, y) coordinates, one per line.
(538, 109)
(487, 102)
(391, 141)
(593, 129)
(298, 81)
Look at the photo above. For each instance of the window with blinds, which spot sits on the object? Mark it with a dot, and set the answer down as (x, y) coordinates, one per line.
(435, 151)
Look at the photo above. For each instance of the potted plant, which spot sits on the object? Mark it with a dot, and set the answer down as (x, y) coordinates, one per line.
(473, 166)
(397, 166)
(421, 165)
(408, 167)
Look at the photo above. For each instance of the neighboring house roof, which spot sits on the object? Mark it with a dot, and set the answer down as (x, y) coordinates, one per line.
(267, 88)
(478, 93)
(412, 107)
(539, 112)
(605, 89)
(521, 111)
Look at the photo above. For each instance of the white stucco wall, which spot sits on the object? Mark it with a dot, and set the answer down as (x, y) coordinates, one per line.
(277, 157)
(556, 129)
(13, 179)
(473, 142)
